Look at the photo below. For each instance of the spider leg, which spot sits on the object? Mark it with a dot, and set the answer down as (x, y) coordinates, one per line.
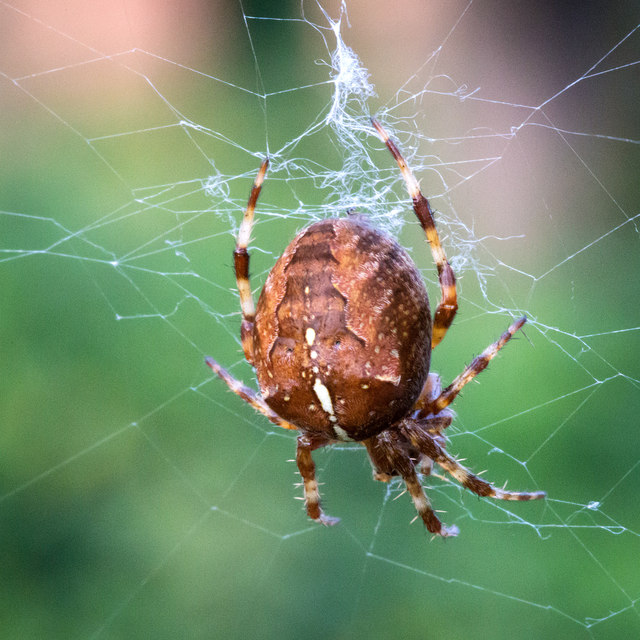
(307, 468)
(248, 395)
(241, 265)
(389, 458)
(448, 305)
(306, 444)
(425, 443)
(478, 364)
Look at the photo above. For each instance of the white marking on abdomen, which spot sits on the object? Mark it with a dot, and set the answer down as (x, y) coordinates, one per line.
(393, 379)
(322, 393)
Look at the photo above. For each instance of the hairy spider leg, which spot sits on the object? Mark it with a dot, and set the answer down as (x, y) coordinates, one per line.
(448, 305)
(389, 459)
(241, 265)
(478, 364)
(306, 444)
(307, 468)
(415, 432)
(248, 395)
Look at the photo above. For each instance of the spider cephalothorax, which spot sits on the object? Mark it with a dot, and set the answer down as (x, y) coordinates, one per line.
(341, 341)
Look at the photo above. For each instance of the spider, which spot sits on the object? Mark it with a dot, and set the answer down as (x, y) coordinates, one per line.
(341, 343)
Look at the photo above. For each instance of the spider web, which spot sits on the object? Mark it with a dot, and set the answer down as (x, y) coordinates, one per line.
(142, 499)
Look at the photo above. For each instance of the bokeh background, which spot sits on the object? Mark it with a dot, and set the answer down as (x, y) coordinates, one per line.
(138, 497)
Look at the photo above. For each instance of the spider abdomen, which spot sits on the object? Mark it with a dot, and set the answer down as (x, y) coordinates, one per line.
(342, 334)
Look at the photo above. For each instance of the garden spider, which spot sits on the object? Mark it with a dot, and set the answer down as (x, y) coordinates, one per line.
(341, 342)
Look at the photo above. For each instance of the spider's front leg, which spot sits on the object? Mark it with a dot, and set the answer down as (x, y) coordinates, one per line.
(390, 456)
(414, 431)
(307, 468)
(306, 443)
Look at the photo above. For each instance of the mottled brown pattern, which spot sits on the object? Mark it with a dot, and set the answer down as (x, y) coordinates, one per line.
(341, 341)
(360, 293)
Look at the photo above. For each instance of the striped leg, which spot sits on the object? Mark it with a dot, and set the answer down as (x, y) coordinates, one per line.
(307, 468)
(422, 441)
(389, 457)
(478, 364)
(248, 395)
(306, 444)
(448, 305)
(241, 265)
(424, 509)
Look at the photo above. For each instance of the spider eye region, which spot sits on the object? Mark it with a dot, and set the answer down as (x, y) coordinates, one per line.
(342, 332)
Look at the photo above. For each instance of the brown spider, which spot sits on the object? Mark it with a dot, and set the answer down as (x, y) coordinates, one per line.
(341, 342)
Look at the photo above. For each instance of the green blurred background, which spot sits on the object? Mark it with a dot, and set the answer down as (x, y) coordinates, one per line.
(139, 498)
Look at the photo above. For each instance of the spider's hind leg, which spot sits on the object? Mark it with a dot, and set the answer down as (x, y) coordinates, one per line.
(448, 305)
(241, 265)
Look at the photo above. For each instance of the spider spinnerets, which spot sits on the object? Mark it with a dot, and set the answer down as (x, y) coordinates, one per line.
(341, 342)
